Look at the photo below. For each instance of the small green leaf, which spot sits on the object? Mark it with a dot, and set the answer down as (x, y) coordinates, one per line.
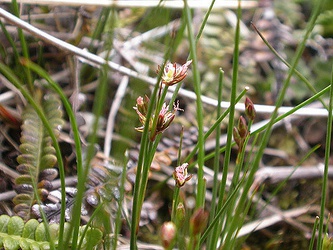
(10, 243)
(35, 246)
(93, 237)
(54, 231)
(49, 150)
(45, 246)
(24, 244)
(27, 148)
(30, 228)
(23, 179)
(48, 161)
(40, 234)
(4, 219)
(15, 226)
(22, 198)
(27, 158)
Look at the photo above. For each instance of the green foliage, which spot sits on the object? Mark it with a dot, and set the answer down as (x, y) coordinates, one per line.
(17, 234)
(37, 154)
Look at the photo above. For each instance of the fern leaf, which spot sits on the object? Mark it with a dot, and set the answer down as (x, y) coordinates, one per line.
(37, 154)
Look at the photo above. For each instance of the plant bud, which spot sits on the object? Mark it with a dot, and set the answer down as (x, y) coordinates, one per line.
(242, 127)
(180, 214)
(168, 234)
(198, 221)
(249, 109)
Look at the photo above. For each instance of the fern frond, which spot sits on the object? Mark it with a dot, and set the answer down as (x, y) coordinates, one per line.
(15, 234)
(37, 157)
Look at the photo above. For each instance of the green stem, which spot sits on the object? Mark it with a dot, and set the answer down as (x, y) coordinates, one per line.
(218, 226)
(143, 155)
(325, 175)
(313, 236)
(175, 202)
(216, 158)
(118, 221)
(200, 199)
(175, 199)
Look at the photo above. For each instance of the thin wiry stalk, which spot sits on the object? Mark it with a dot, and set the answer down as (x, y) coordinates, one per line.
(201, 29)
(146, 155)
(313, 236)
(327, 159)
(93, 215)
(200, 199)
(218, 226)
(175, 199)
(118, 221)
(216, 159)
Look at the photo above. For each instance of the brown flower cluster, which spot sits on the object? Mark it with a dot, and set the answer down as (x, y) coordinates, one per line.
(164, 119)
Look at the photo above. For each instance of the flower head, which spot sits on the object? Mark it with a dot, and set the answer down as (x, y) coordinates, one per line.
(142, 104)
(181, 176)
(164, 119)
(141, 108)
(174, 74)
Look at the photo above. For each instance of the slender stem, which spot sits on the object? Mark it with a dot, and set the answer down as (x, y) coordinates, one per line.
(175, 199)
(313, 236)
(218, 226)
(120, 202)
(143, 154)
(216, 158)
(325, 175)
(200, 199)
(204, 21)
(175, 202)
